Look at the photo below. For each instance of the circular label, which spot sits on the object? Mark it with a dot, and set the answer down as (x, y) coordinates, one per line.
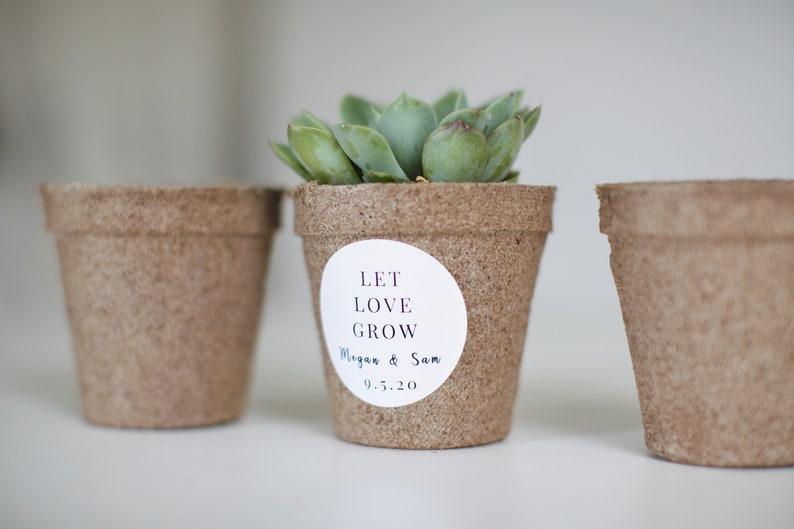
(394, 321)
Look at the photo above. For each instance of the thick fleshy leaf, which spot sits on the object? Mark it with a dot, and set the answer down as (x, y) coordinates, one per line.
(450, 102)
(503, 146)
(517, 94)
(307, 119)
(455, 153)
(375, 177)
(461, 101)
(286, 155)
(473, 117)
(368, 149)
(321, 155)
(374, 120)
(357, 110)
(530, 120)
(502, 109)
(406, 123)
(511, 178)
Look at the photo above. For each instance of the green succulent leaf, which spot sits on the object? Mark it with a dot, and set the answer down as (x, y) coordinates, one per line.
(376, 177)
(511, 178)
(406, 123)
(503, 146)
(410, 140)
(357, 110)
(502, 109)
(374, 121)
(530, 120)
(286, 155)
(518, 95)
(473, 117)
(455, 153)
(321, 155)
(307, 119)
(368, 149)
(461, 101)
(450, 102)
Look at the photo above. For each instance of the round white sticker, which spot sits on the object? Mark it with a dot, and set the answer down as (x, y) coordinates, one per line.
(394, 321)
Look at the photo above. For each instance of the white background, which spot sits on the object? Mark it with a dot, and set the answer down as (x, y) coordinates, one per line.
(191, 91)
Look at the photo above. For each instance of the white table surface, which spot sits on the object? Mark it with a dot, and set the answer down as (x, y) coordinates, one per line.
(630, 91)
(575, 456)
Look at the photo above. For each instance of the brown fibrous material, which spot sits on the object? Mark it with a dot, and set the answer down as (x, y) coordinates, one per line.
(705, 276)
(490, 237)
(163, 288)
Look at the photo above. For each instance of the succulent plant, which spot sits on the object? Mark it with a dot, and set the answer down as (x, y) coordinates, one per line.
(411, 140)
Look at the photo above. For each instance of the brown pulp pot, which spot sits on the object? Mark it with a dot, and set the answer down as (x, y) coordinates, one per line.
(163, 288)
(490, 238)
(705, 276)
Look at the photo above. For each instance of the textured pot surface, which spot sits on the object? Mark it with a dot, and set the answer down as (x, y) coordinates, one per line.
(705, 276)
(490, 237)
(163, 287)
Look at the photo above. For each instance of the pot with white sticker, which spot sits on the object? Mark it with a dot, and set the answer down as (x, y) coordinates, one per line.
(421, 278)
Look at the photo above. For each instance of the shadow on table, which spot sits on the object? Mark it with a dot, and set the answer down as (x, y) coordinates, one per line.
(297, 404)
(57, 389)
(606, 417)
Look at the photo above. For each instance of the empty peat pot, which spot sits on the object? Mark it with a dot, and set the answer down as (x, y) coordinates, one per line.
(422, 295)
(705, 275)
(163, 288)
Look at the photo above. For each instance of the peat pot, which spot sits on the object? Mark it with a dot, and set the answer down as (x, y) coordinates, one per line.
(705, 275)
(422, 295)
(163, 288)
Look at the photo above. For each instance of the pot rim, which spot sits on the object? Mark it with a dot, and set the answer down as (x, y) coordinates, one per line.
(217, 209)
(733, 208)
(431, 208)
(716, 182)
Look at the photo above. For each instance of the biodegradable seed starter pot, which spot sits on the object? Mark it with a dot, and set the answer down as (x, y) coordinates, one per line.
(422, 296)
(705, 275)
(163, 289)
